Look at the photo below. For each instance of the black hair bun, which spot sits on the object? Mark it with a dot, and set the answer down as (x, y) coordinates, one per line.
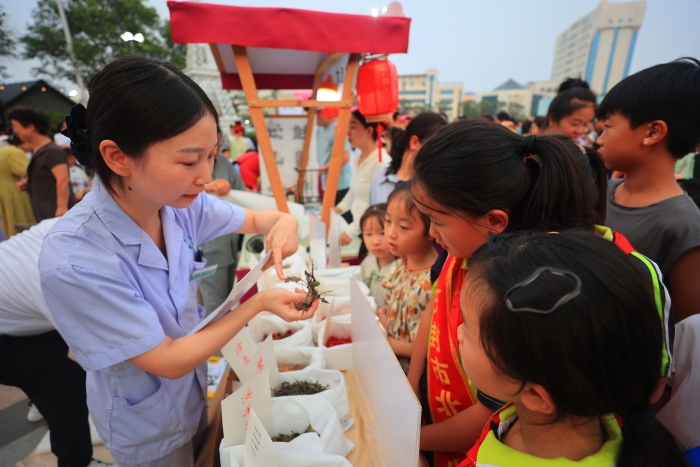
(571, 83)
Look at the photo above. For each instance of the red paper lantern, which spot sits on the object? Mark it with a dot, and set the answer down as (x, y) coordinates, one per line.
(377, 90)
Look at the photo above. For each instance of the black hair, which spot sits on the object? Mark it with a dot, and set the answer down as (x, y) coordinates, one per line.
(474, 166)
(668, 92)
(14, 140)
(488, 117)
(596, 354)
(423, 125)
(377, 212)
(541, 122)
(402, 190)
(527, 124)
(137, 101)
(395, 115)
(60, 126)
(573, 94)
(356, 113)
(594, 173)
(27, 116)
(504, 116)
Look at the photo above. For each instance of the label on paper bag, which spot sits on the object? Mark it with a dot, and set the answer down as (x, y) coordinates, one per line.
(259, 450)
(239, 351)
(236, 409)
(263, 359)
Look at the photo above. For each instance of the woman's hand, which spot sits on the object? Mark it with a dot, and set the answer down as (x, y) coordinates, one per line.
(345, 239)
(337, 210)
(282, 303)
(219, 187)
(283, 240)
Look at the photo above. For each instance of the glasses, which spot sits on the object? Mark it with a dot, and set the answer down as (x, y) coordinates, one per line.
(562, 301)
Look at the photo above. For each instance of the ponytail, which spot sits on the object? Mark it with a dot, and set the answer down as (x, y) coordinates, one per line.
(645, 441)
(593, 169)
(474, 166)
(424, 125)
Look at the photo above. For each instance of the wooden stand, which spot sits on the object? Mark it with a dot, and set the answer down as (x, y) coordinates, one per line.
(256, 105)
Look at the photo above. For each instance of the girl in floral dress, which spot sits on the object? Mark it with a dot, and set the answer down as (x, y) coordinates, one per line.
(408, 281)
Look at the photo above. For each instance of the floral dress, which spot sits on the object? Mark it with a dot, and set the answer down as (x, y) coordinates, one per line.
(408, 294)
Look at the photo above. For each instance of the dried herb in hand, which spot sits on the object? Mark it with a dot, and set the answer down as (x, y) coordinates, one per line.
(312, 289)
(299, 388)
(285, 438)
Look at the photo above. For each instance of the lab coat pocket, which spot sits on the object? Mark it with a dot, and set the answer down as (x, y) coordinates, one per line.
(154, 418)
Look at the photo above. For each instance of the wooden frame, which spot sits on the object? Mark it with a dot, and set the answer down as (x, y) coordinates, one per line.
(256, 105)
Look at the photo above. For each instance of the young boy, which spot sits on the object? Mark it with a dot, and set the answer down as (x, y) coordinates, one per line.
(652, 119)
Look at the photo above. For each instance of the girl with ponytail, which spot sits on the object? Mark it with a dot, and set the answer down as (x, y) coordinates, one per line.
(475, 179)
(573, 346)
(403, 150)
(571, 110)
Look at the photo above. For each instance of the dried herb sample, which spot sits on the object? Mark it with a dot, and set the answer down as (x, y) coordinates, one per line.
(312, 285)
(299, 388)
(278, 335)
(285, 438)
(333, 341)
(282, 368)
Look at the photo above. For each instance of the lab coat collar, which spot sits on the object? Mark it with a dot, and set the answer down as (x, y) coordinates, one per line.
(113, 216)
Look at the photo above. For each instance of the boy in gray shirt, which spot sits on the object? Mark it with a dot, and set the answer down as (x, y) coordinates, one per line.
(652, 119)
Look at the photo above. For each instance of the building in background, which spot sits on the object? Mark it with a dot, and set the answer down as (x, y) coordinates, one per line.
(598, 47)
(424, 92)
(519, 101)
(201, 67)
(38, 95)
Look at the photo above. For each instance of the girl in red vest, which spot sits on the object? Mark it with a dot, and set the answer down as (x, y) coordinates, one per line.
(475, 180)
(572, 340)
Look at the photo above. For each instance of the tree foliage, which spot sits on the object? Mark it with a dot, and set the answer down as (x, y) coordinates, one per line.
(96, 26)
(471, 109)
(7, 43)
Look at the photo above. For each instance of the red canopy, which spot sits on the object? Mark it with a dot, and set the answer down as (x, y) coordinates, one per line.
(285, 45)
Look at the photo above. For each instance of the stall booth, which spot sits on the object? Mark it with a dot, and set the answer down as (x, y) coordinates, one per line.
(284, 48)
(277, 49)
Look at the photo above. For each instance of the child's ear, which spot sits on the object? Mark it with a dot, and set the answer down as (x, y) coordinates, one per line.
(496, 221)
(536, 399)
(654, 132)
(414, 143)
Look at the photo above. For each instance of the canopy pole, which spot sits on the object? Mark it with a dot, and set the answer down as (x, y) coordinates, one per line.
(339, 141)
(245, 74)
(322, 68)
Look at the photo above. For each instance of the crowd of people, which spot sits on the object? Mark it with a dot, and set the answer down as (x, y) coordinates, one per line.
(537, 280)
(567, 258)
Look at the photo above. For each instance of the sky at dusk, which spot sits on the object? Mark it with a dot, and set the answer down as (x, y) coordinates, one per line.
(478, 43)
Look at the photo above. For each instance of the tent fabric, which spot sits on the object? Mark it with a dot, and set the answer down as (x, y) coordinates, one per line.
(287, 28)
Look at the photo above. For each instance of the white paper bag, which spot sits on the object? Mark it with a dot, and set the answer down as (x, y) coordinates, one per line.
(295, 415)
(338, 357)
(268, 323)
(336, 394)
(338, 273)
(289, 457)
(310, 357)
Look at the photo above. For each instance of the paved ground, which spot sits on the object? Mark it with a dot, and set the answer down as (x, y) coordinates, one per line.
(19, 437)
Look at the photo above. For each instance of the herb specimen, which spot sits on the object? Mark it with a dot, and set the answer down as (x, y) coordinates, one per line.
(312, 293)
(299, 388)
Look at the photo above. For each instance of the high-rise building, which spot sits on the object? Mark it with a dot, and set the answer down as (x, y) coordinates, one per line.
(598, 47)
(425, 91)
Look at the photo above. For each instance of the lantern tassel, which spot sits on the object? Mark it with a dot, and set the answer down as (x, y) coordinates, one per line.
(380, 130)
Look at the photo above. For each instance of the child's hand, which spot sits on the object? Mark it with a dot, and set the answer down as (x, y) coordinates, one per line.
(282, 303)
(345, 239)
